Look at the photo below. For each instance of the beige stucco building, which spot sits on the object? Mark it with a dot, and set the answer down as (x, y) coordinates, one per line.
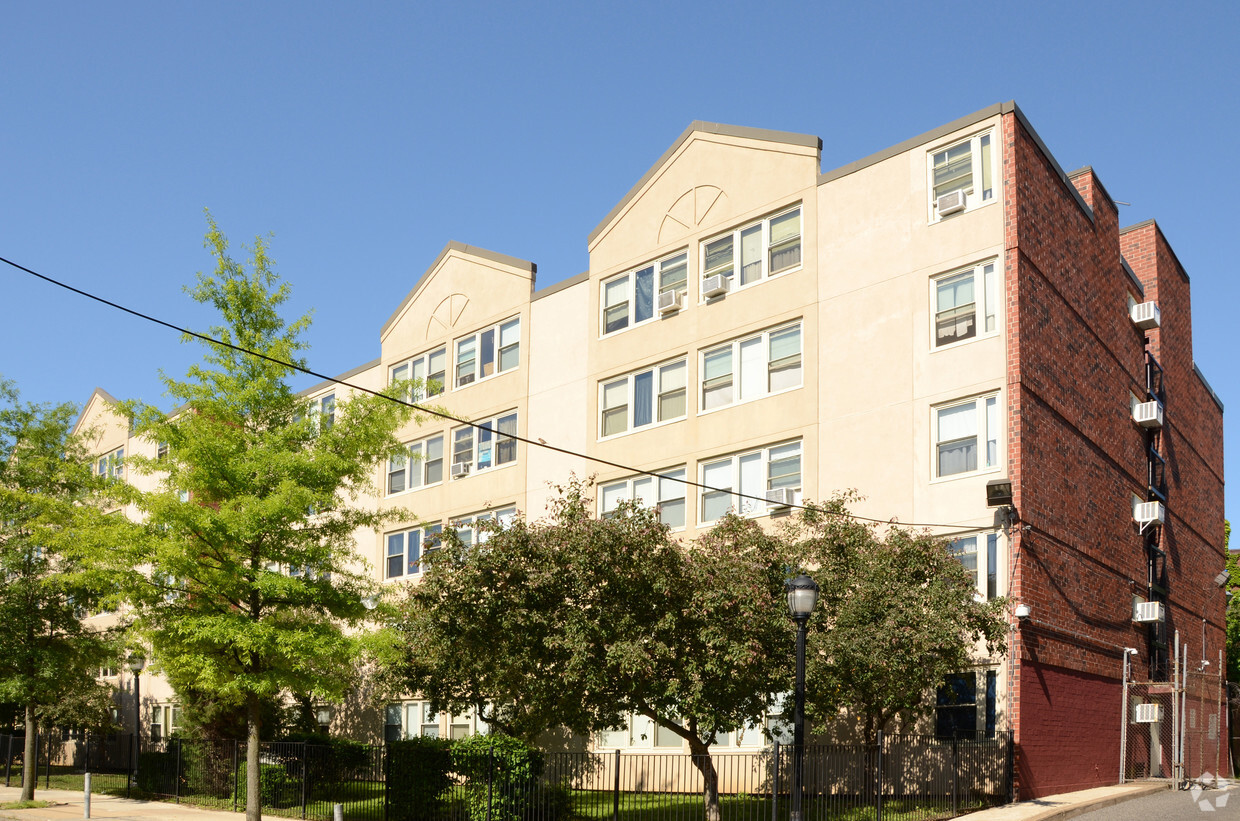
(755, 325)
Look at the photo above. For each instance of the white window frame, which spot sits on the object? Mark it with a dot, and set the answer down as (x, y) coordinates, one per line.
(982, 161)
(466, 526)
(430, 383)
(624, 285)
(503, 349)
(982, 436)
(671, 488)
(987, 294)
(416, 718)
(982, 549)
(659, 375)
(112, 464)
(326, 405)
(490, 448)
(424, 538)
(415, 460)
(760, 458)
(736, 377)
(763, 229)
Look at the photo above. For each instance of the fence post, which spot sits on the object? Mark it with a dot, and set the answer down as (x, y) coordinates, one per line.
(47, 785)
(615, 801)
(775, 786)
(236, 779)
(387, 777)
(176, 780)
(8, 762)
(878, 796)
(303, 779)
(133, 772)
(955, 772)
(490, 777)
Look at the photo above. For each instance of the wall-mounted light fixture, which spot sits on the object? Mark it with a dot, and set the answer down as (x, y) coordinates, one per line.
(999, 493)
(1023, 611)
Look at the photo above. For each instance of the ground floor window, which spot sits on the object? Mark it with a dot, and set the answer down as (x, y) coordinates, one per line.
(965, 705)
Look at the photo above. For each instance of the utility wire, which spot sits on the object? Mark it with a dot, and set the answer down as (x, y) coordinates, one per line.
(433, 412)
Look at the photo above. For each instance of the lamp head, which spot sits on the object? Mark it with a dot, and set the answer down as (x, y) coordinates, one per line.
(137, 662)
(802, 593)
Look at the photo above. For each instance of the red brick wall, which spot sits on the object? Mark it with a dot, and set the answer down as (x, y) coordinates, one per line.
(1072, 733)
(1076, 457)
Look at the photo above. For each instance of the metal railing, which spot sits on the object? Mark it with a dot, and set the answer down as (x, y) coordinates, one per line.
(912, 777)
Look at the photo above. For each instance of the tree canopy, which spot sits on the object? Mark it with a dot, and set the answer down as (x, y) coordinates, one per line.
(53, 518)
(249, 585)
(897, 614)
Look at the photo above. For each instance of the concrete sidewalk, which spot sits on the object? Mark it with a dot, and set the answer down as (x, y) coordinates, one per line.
(68, 805)
(1069, 805)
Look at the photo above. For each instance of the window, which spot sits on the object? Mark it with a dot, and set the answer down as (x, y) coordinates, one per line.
(406, 548)
(323, 718)
(488, 352)
(643, 398)
(959, 712)
(759, 250)
(112, 465)
(670, 498)
(966, 167)
(751, 368)
(957, 299)
(469, 532)
(421, 466)
(967, 436)
(161, 451)
(327, 411)
(487, 446)
(428, 370)
(751, 474)
(415, 718)
(966, 550)
(392, 723)
(628, 299)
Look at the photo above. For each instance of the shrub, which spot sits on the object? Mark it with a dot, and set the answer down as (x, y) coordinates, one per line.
(418, 778)
(275, 787)
(501, 773)
(157, 772)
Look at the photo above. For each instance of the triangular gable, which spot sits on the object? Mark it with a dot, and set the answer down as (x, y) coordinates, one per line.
(703, 181)
(99, 404)
(464, 286)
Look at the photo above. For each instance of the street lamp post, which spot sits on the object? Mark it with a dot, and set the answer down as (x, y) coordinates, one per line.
(136, 664)
(802, 595)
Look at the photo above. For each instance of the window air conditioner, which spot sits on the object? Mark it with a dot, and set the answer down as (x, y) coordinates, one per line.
(460, 469)
(1148, 612)
(1145, 315)
(714, 286)
(670, 301)
(1148, 414)
(781, 497)
(950, 203)
(1147, 713)
(1149, 513)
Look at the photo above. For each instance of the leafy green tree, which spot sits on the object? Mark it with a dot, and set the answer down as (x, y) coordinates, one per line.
(897, 613)
(1233, 607)
(250, 587)
(53, 516)
(579, 621)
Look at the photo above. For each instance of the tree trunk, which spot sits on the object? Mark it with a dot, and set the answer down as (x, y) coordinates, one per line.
(30, 756)
(253, 789)
(710, 778)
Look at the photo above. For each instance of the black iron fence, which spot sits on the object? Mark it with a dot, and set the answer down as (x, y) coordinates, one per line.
(905, 777)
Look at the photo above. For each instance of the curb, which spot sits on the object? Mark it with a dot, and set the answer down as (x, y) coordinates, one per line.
(1061, 813)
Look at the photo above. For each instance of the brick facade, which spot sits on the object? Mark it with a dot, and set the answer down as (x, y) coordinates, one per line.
(1076, 459)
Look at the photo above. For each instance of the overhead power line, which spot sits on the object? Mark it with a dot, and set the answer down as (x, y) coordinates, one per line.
(538, 443)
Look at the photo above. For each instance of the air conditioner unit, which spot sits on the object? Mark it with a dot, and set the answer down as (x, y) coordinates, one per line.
(781, 497)
(1149, 513)
(670, 301)
(1148, 612)
(1145, 315)
(460, 469)
(950, 203)
(1148, 414)
(714, 286)
(1147, 713)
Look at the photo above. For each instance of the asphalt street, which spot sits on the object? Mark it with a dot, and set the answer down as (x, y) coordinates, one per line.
(1173, 805)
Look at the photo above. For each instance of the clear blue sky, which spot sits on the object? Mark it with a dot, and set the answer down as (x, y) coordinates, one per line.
(365, 136)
